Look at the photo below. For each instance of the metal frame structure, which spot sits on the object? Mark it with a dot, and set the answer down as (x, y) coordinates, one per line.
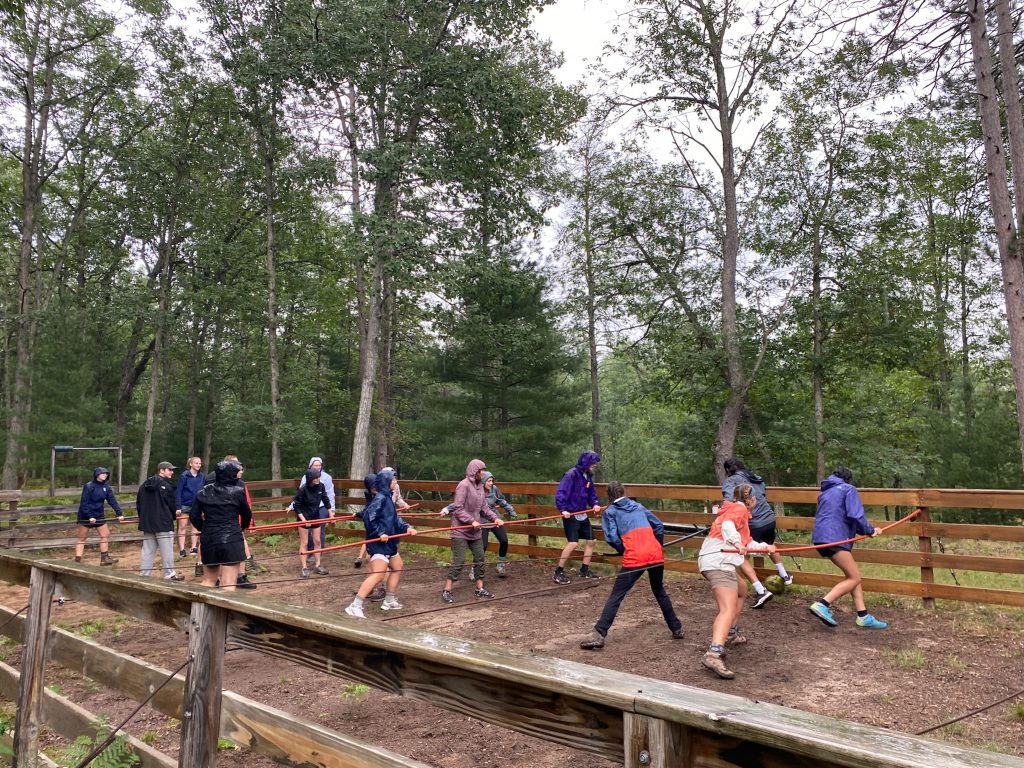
(55, 449)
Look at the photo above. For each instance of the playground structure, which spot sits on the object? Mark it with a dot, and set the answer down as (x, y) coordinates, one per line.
(55, 449)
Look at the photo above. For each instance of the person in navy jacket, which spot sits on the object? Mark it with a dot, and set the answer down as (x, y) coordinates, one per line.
(574, 498)
(636, 534)
(840, 516)
(90, 514)
(189, 483)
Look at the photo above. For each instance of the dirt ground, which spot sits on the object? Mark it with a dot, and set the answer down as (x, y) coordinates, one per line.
(929, 666)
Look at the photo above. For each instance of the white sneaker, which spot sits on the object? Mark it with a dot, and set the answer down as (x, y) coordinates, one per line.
(391, 605)
(355, 610)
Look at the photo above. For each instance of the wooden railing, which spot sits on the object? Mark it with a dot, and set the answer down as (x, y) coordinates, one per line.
(625, 718)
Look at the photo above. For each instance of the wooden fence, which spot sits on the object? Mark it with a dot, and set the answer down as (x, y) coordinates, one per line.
(625, 718)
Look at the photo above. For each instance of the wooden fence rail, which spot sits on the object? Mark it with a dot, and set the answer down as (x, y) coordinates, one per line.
(626, 718)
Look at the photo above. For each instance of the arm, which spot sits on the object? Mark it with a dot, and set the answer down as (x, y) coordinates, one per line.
(502, 502)
(591, 492)
(657, 525)
(458, 507)
(195, 515)
(732, 535)
(563, 492)
(327, 499)
(729, 486)
(371, 518)
(112, 501)
(244, 512)
(855, 511)
(329, 491)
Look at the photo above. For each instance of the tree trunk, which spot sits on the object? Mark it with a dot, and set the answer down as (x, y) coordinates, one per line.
(198, 337)
(275, 395)
(154, 371)
(385, 387)
(1011, 105)
(211, 397)
(966, 379)
(370, 344)
(589, 255)
(818, 357)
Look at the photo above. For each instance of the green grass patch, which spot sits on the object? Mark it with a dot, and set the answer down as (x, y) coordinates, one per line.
(906, 659)
(354, 691)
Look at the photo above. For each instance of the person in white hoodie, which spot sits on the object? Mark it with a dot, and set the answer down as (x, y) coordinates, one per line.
(316, 464)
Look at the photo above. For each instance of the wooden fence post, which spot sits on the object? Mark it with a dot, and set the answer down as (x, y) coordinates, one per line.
(531, 540)
(200, 726)
(653, 743)
(33, 661)
(924, 545)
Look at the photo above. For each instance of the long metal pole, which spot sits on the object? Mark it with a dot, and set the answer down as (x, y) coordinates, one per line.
(53, 471)
(119, 469)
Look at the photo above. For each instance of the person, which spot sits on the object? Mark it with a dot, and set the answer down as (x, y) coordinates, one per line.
(731, 530)
(323, 512)
(90, 514)
(310, 499)
(156, 502)
(381, 521)
(242, 581)
(574, 498)
(400, 504)
(840, 516)
(220, 513)
(495, 499)
(189, 483)
(469, 508)
(636, 534)
(762, 524)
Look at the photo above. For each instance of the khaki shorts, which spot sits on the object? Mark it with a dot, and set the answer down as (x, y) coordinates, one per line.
(718, 578)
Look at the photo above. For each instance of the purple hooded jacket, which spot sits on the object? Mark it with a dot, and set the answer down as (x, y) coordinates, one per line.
(470, 504)
(576, 492)
(840, 514)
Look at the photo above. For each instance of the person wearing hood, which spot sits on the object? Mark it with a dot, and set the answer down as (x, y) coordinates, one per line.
(310, 500)
(762, 524)
(90, 514)
(382, 523)
(220, 514)
(575, 497)
(494, 500)
(468, 509)
(242, 582)
(316, 463)
(156, 504)
(636, 534)
(400, 504)
(840, 516)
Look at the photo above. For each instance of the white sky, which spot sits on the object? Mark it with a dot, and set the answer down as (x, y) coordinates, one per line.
(579, 29)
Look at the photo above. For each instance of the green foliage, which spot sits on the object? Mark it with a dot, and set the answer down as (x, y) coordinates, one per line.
(354, 691)
(117, 755)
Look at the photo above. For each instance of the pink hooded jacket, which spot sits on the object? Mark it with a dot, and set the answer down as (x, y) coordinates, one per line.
(470, 503)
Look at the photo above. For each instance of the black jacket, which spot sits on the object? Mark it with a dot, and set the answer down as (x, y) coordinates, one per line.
(310, 497)
(221, 510)
(156, 504)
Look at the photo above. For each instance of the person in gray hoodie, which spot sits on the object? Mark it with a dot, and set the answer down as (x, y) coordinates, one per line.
(495, 500)
(468, 509)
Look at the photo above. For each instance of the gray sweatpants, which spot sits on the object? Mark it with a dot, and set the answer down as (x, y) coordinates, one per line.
(150, 541)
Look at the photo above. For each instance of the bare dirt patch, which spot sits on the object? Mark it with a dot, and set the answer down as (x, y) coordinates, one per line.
(927, 667)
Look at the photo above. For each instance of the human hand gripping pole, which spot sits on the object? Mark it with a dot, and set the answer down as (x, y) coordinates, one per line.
(852, 540)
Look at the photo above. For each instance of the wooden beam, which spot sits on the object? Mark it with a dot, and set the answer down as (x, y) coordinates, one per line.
(200, 725)
(33, 663)
(652, 743)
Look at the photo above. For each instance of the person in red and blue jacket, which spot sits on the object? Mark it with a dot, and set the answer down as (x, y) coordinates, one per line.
(636, 534)
(574, 498)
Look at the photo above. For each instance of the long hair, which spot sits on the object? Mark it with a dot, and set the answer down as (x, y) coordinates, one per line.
(742, 493)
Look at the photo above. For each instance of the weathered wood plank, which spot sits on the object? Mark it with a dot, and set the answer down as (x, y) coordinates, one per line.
(653, 743)
(200, 725)
(28, 718)
(7, 739)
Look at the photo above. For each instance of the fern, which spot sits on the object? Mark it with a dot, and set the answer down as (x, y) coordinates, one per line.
(118, 755)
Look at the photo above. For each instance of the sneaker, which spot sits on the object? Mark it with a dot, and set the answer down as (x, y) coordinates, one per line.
(502, 569)
(446, 596)
(482, 593)
(561, 578)
(823, 613)
(183, 553)
(358, 563)
(677, 634)
(760, 600)
(788, 580)
(713, 661)
(378, 593)
(174, 577)
(78, 558)
(594, 641)
(304, 573)
(320, 571)
(199, 570)
(586, 573)
(242, 582)
(870, 622)
(735, 638)
(356, 611)
(194, 551)
(391, 605)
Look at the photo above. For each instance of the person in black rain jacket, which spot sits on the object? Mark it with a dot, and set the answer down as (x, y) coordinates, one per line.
(220, 513)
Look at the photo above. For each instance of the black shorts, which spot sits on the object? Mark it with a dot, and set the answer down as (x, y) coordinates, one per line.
(222, 552)
(829, 552)
(765, 534)
(577, 529)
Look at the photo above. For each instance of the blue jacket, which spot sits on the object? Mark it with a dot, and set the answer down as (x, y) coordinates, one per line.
(840, 514)
(634, 532)
(763, 514)
(187, 488)
(93, 495)
(381, 517)
(576, 492)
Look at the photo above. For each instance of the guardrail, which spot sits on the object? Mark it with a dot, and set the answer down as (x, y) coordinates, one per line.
(632, 720)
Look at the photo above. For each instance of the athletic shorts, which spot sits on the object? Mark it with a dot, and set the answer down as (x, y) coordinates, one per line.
(765, 534)
(185, 509)
(717, 578)
(829, 552)
(222, 552)
(385, 558)
(576, 530)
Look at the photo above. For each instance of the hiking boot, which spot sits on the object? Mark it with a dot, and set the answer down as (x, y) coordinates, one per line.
(594, 641)
(199, 570)
(483, 593)
(502, 569)
(713, 661)
(356, 611)
(586, 573)
(870, 622)
(357, 563)
(320, 571)
(787, 580)
(446, 596)
(378, 593)
(762, 599)
(560, 577)
(304, 573)
(182, 553)
(736, 638)
(391, 604)
(78, 558)
(174, 577)
(106, 559)
(242, 582)
(677, 634)
(822, 612)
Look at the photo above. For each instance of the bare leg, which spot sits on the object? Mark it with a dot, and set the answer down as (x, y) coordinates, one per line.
(81, 535)
(844, 559)
(567, 550)
(395, 575)
(588, 551)
(104, 531)
(726, 597)
(378, 572)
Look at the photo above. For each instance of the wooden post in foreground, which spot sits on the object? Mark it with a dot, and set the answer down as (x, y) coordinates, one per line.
(925, 547)
(200, 725)
(33, 660)
(653, 743)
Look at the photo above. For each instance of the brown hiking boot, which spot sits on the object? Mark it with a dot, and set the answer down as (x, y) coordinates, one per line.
(713, 661)
(105, 559)
(594, 641)
(78, 558)
(736, 638)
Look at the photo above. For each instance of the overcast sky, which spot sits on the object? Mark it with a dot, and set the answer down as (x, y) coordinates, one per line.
(578, 29)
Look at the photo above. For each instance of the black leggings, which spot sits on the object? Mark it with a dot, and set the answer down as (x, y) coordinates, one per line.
(501, 535)
(624, 582)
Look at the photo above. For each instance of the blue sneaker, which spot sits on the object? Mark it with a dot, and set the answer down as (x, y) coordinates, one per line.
(870, 622)
(823, 613)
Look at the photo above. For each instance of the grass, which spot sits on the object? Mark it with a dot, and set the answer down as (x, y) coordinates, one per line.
(149, 738)
(223, 743)
(906, 659)
(954, 663)
(1017, 711)
(354, 691)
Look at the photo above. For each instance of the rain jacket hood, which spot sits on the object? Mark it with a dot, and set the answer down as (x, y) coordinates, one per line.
(226, 473)
(382, 482)
(472, 468)
(100, 471)
(588, 459)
